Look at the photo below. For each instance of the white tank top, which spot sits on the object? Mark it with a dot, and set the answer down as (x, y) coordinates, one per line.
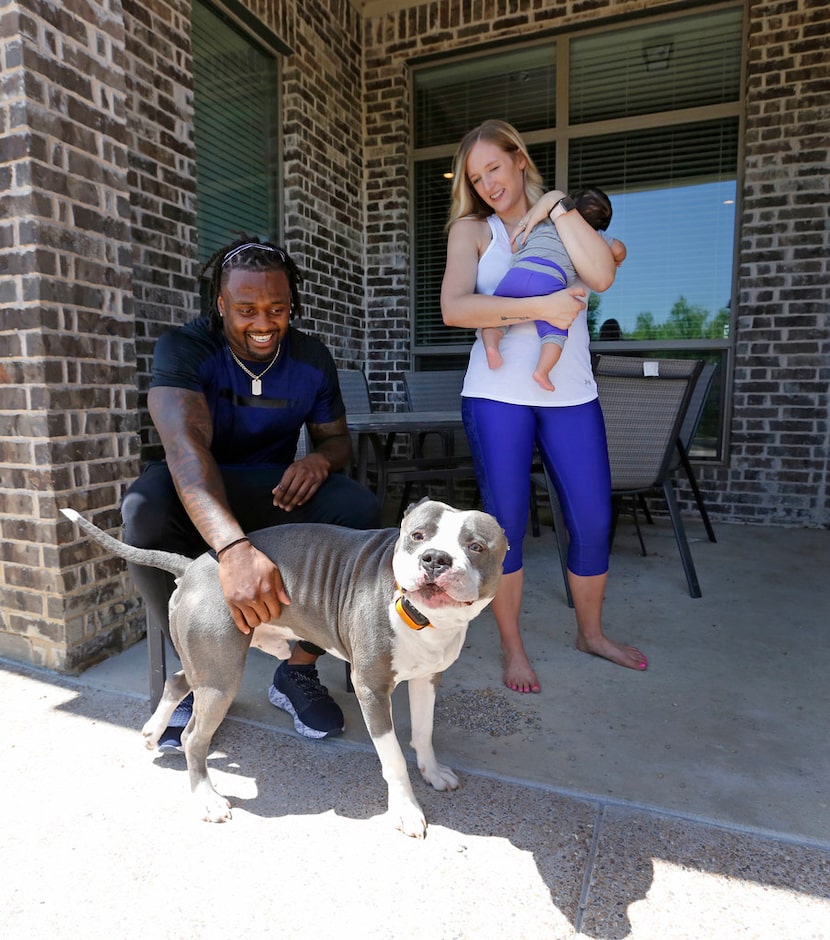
(512, 382)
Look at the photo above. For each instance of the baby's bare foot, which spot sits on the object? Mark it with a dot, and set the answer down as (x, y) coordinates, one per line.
(543, 379)
(518, 673)
(619, 653)
(494, 359)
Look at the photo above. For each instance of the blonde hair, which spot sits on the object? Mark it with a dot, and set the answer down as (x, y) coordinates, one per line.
(465, 200)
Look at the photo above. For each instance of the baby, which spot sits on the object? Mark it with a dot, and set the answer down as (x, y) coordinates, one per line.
(542, 266)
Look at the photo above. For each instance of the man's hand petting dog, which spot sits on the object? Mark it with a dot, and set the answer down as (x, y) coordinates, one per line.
(394, 604)
(252, 585)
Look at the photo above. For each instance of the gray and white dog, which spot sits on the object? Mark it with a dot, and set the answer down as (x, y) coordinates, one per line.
(395, 604)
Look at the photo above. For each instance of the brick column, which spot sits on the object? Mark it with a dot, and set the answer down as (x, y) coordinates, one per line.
(67, 352)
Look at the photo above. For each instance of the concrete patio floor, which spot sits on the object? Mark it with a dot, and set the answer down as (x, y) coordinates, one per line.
(689, 801)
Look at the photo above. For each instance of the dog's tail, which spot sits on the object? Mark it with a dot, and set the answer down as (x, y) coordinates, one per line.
(151, 558)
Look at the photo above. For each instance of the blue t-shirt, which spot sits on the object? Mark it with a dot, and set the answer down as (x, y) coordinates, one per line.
(300, 387)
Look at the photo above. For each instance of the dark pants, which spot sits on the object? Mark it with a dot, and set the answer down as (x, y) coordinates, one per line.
(155, 518)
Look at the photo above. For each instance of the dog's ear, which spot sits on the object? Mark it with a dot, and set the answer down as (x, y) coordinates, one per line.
(411, 506)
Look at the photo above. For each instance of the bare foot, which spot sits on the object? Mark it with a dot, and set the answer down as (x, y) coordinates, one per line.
(494, 359)
(542, 378)
(518, 673)
(618, 653)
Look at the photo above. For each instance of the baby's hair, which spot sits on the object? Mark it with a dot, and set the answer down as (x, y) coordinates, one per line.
(594, 206)
(251, 254)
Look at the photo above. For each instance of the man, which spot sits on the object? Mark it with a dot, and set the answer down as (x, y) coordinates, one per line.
(229, 395)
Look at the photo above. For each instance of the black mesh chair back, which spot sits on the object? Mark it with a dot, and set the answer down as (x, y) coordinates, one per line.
(688, 429)
(644, 403)
(433, 391)
(438, 457)
(643, 416)
(355, 391)
(436, 391)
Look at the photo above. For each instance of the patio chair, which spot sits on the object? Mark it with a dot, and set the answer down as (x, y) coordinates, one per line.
(448, 459)
(355, 392)
(436, 391)
(354, 389)
(688, 430)
(684, 443)
(644, 415)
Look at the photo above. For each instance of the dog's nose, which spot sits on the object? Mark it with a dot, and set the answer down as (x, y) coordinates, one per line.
(436, 562)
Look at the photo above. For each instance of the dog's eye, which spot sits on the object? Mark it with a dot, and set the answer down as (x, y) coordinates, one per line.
(417, 536)
(476, 547)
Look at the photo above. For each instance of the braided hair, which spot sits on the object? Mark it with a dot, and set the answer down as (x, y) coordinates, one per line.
(250, 254)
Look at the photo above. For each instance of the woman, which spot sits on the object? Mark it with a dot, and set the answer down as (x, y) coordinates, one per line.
(497, 196)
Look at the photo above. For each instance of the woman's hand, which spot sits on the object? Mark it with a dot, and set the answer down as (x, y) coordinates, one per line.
(560, 308)
(589, 254)
(252, 585)
(462, 306)
(539, 212)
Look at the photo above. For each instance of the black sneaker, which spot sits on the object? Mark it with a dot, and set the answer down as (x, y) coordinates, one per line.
(170, 741)
(298, 690)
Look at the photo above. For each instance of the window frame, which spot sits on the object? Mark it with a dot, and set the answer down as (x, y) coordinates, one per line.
(427, 356)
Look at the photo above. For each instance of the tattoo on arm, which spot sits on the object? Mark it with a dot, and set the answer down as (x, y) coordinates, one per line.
(202, 491)
(184, 424)
(333, 441)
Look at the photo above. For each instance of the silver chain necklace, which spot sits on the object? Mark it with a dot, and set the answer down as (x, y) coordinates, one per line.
(256, 380)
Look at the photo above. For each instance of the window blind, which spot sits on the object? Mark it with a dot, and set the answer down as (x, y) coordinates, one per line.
(235, 129)
(517, 87)
(663, 66)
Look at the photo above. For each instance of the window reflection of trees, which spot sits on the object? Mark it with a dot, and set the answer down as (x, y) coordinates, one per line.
(684, 321)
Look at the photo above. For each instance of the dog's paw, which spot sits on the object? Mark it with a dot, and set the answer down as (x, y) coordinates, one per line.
(213, 807)
(439, 776)
(151, 734)
(409, 818)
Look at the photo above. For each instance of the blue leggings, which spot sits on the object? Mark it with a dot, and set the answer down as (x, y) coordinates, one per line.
(574, 450)
(521, 281)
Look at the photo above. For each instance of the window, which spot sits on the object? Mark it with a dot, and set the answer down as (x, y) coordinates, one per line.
(651, 114)
(236, 124)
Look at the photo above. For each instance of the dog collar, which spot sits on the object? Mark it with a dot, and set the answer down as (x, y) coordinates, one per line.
(410, 615)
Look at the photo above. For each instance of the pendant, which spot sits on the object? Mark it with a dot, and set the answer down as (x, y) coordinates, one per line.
(256, 387)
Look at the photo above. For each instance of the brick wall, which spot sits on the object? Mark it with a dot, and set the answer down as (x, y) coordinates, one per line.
(161, 179)
(323, 171)
(778, 468)
(67, 396)
(777, 465)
